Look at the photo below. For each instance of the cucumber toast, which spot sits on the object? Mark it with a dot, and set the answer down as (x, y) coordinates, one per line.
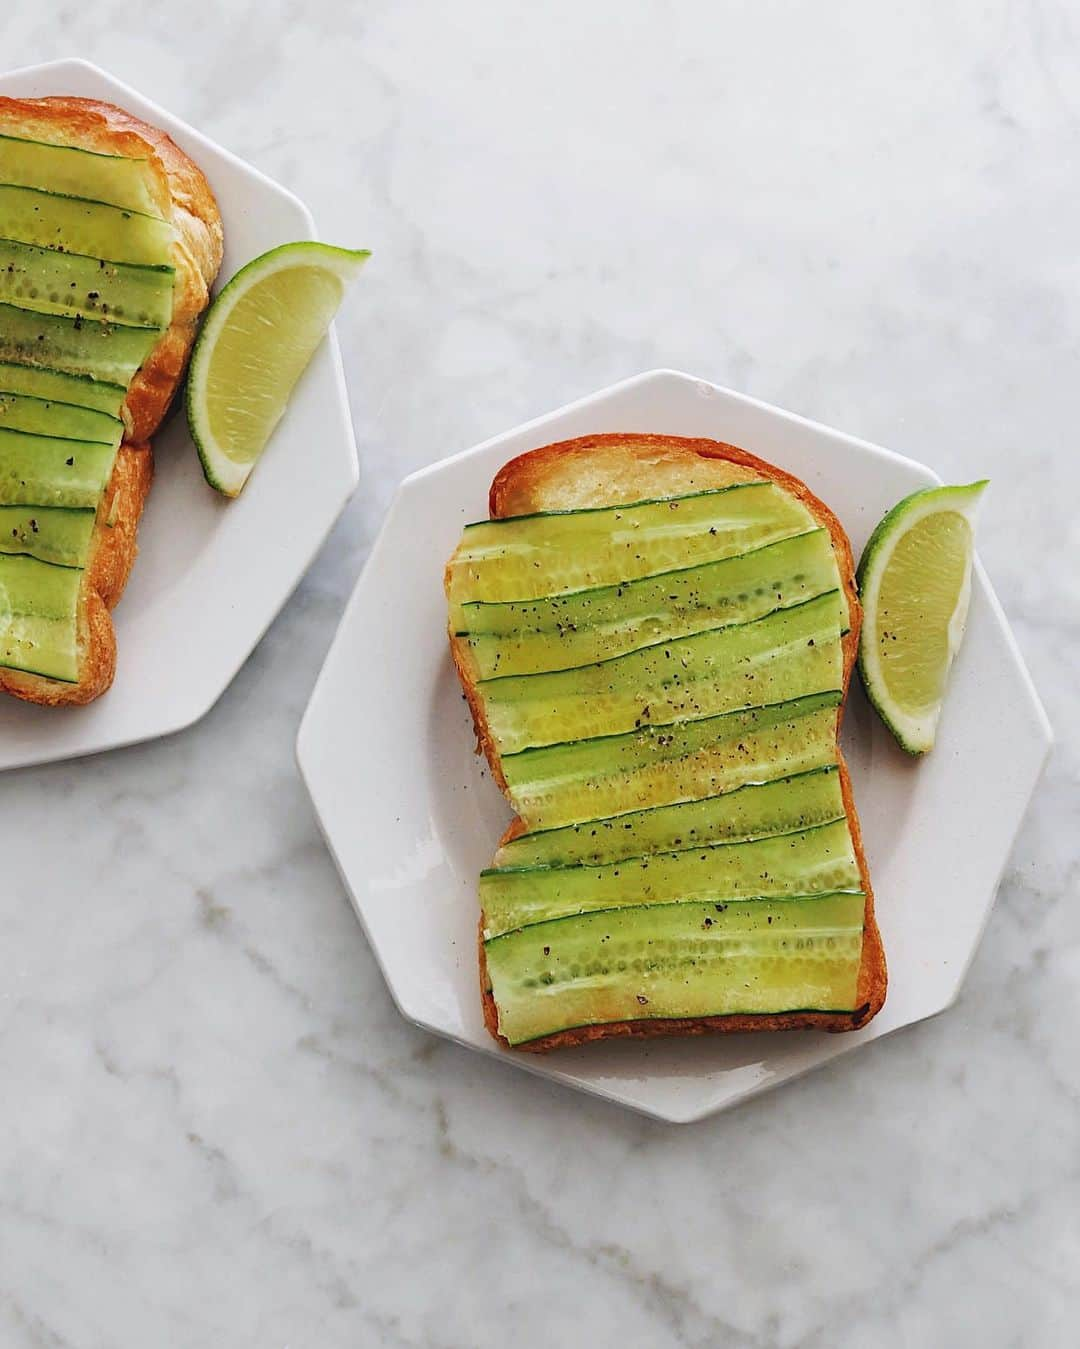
(655, 637)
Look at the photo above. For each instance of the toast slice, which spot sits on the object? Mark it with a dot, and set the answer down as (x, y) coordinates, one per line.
(619, 469)
(176, 191)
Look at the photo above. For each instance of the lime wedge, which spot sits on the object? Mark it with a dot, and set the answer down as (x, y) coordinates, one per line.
(915, 579)
(257, 339)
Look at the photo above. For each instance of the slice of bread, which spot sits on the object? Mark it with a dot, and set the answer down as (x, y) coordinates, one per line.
(616, 469)
(183, 196)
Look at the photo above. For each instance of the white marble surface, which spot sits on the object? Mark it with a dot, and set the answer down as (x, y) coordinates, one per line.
(215, 1128)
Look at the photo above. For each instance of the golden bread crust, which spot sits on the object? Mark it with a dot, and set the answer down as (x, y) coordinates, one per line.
(184, 197)
(114, 547)
(615, 468)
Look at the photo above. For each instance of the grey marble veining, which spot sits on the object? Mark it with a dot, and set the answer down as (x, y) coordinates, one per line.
(216, 1130)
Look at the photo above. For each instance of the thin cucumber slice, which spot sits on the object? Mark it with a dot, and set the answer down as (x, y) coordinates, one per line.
(915, 581)
(40, 646)
(68, 283)
(35, 589)
(756, 811)
(562, 631)
(524, 557)
(47, 533)
(78, 346)
(809, 862)
(255, 343)
(60, 387)
(680, 960)
(38, 618)
(47, 471)
(80, 225)
(785, 655)
(20, 412)
(79, 173)
(658, 766)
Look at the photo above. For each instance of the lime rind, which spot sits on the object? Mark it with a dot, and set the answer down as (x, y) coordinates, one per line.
(914, 731)
(224, 471)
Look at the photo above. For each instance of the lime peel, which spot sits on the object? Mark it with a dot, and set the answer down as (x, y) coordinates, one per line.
(258, 337)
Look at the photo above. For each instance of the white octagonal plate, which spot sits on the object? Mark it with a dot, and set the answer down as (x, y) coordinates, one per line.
(211, 574)
(386, 750)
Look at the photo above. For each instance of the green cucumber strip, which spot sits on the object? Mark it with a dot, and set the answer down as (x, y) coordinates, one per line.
(35, 470)
(561, 631)
(60, 387)
(21, 412)
(40, 646)
(759, 810)
(680, 960)
(613, 513)
(809, 862)
(78, 172)
(79, 346)
(659, 765)
(524, 557)
(47, 533)
(81, 225)
(39, 618)
(68, 283)
(782, 656)
(35, 589)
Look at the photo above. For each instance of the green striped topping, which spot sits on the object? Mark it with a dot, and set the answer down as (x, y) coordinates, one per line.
(661, 681)
(83, 225)
(49, 471)
(812, 860)
(558, 632)
(525, 557)
(658, 765)
(785, 655)
(86, 289)
(22, 412)
(38, 617)
(748, 957)
(120, 181)
(79, 346)
(49, 281)
(59, 387)
(48, 533)
(758, 810)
